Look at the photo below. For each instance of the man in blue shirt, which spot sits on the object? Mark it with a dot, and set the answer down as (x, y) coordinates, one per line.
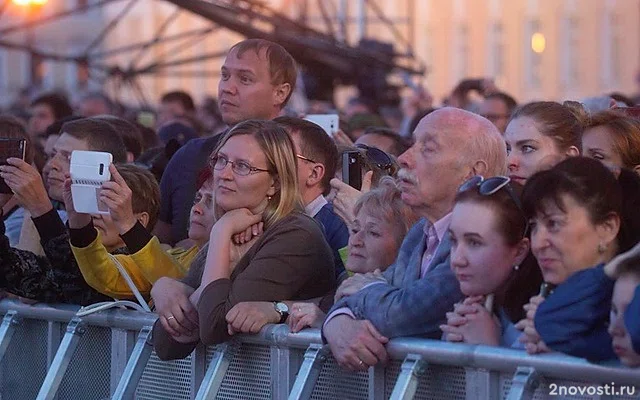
(256, 82)
(317, 160)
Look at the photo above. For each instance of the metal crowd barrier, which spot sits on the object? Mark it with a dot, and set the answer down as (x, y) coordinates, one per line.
(46, 352)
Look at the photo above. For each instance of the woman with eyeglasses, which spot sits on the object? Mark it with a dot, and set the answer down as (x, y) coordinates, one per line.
(282, 253)
(577, 225)
(490, 257)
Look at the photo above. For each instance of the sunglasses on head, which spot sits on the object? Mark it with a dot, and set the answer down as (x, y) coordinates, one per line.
(487, 187)
(377, 157)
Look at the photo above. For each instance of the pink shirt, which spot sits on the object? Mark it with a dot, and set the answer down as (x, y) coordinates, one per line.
(434, 235)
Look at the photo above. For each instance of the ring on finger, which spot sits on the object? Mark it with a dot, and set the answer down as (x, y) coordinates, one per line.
(170, 317)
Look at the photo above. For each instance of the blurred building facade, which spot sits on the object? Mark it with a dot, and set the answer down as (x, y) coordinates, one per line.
(535, 49)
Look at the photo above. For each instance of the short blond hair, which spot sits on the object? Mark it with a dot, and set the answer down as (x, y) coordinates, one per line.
(282, 165)
(385, 201)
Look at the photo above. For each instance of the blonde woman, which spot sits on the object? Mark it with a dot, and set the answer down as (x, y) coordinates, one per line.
(282, 255)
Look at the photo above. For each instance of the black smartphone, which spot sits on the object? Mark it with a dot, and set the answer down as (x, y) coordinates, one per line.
(10, 148)
(546, 289)
(352, 169)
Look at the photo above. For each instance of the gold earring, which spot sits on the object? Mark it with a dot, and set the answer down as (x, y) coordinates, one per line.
(602, 248)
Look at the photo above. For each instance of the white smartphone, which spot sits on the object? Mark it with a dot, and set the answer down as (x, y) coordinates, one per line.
(329, 122)
(89, 169)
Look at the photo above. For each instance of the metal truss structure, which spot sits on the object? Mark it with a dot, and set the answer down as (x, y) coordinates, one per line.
(325, 53)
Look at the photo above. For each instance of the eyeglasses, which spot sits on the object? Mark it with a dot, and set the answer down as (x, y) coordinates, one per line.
(305, 158)
(377, 157)
(487, 187)
(238, 167)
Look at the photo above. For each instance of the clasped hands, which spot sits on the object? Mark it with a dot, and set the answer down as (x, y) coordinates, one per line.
(470, 322)
(533, 343)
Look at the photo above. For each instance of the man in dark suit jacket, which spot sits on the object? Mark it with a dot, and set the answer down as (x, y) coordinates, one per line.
(414, 294)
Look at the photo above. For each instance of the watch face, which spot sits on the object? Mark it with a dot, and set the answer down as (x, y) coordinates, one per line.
(281, 307)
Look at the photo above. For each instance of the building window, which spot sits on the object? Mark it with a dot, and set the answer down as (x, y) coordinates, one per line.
(534, 48)
(496, 51)
(429, 45)
(461, 54)
(614, 55)
(570, 60)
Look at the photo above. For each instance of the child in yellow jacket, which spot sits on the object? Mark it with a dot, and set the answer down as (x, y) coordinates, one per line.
(94, 237)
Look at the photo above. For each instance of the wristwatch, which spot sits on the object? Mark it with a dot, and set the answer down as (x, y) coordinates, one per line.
(282, 309)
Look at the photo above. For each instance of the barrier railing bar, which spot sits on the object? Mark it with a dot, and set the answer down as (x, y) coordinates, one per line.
(524, 384)
(497, 360)
(482, 384)
(7, 329)
(122, 344)
(198, 368)
(56, 372)
(282, 371)
(309, 372)
(116, 318)
(407, 383)
(216, 371)
(135, 366)
(54, 337)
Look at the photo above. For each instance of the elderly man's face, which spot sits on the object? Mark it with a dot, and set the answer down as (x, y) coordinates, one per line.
(433, 168)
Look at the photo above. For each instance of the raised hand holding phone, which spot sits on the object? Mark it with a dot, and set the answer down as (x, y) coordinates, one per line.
(10, 148)
(26, 182)
(116, 195)
(89, 170)
(344, 197)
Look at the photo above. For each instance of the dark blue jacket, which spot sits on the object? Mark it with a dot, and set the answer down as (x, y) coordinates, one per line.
(178, 184)
(574, 318)
(632, 320)
(336, 233)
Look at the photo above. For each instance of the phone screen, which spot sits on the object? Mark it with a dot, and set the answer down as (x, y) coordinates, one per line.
(10, 148)
(330, 123)
(352, 169)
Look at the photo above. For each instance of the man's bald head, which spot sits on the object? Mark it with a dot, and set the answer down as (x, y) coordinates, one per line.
(451, 146)
(474, 137)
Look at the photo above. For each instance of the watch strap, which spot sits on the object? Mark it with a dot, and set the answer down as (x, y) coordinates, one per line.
(283, 314)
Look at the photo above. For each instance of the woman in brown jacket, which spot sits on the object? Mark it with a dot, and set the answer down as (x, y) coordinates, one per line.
(262, 247)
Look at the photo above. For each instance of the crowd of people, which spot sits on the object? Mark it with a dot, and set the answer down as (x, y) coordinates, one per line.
(482, 222)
